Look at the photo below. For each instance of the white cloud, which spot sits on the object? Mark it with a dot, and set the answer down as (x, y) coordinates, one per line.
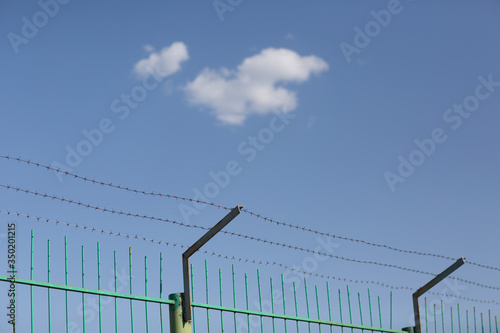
(148, 48)
(254, 87)
(165, 62)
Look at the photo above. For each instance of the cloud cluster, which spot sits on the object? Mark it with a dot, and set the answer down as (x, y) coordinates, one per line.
(255, 87)
(163, 63)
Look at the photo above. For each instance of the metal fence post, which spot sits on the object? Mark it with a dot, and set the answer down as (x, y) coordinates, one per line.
(177, 323)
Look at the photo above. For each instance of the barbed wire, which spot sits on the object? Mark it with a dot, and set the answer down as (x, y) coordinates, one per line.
(259, 216)
(234, 258)
(230, 233)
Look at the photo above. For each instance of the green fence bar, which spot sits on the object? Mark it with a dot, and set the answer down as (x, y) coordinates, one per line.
(390, 307)
(48, 280)
(130, 278)
(146, 291)
(31, 278)
(192, 300)
(220, 301)
(435, 319)
(370, 307)
(379, 311)
(284, 301)
(349, 303)
(489, 318)
(307, 304)
(442, 315)
(451, 316)
(475, 321)
(260, 301)
(426, 322)
(83, 286)
(360, 311)
(467, 319)
(459, 320)
(482, 323)
(206, 289)
(161, 292)
(115, 299)
(272, 303)
(317, 305)
(246, 292)
(329, 304)
(296, 306)
(66, 280)
(340, 309)
(99, 284)
(234, 299)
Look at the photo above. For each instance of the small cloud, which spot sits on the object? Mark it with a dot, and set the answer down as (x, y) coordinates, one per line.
(290, 36)
(148, 48)
(165, 62)
(255, 87)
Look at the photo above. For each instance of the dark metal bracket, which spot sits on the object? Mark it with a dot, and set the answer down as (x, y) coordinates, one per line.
(428, 286)
(186, 304)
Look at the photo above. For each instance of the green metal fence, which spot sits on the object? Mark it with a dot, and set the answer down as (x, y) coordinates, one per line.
(281, 310)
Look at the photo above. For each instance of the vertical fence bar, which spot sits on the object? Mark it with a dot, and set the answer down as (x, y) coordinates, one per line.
(31, 278)
(272, 302)
(496, 324)
(391, 311)
(146, 291)
(296, 307)
(284, 302)
(426, 322)
(467, 319)
(475, 321)
(192, 299)
(489, 318)
(307, 305)
(329, 305)
(317, 306)
(435, 319)
(482, 323)
(370, 307)
(206, 289)
(379, 311)
(246, 293)
(48, 280)
(66, 281)
(99, 284)
(442, 315)
(234, 299)
(114, 278)
(340, 309)
(260, 301)
(130, 278)
(360, 311)
(459, 321)
(83, 286)
(451, 316)
(349, 303)
(161, 293)
(220, 300)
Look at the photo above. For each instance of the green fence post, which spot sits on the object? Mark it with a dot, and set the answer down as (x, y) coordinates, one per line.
(177, 323)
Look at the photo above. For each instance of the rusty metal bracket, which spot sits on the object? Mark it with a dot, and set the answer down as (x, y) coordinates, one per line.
(186, 304)
(428, 286)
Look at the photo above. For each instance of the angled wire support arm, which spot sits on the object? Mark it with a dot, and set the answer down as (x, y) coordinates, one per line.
(428, 286)
(186, 304)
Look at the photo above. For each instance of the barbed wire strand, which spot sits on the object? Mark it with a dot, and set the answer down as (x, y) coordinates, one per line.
(230, 233)
(259, 216)
(233, 258)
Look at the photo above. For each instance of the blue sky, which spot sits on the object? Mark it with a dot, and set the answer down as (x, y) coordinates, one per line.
(387, 135)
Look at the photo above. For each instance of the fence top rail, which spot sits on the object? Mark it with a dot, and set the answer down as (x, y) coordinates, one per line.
(294, 318)
(85, 290)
